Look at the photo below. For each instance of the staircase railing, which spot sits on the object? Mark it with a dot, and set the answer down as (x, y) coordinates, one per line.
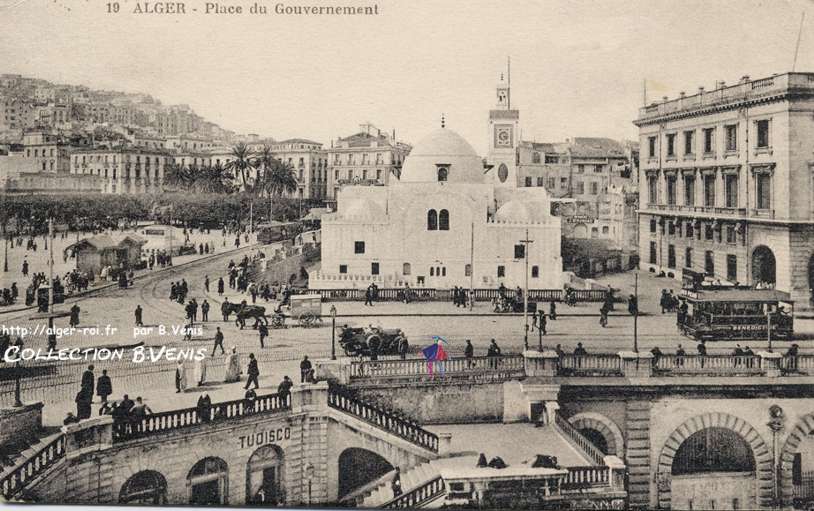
(510, 366)
(16, 480)
(583, 443)
(176, 419)
(428, 491)
(402, 427)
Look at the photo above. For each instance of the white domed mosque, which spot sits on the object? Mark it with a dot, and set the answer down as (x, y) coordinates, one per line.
(442, 224)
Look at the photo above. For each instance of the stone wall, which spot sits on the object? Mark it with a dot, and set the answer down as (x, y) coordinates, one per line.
(441, 404)
(20, 426)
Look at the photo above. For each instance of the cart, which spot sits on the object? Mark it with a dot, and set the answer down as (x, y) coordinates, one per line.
(306, 309)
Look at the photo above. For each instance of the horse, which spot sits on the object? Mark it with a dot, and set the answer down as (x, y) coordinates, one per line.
(256, 312)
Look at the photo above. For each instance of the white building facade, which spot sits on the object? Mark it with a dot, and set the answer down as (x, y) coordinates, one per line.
(442, 224)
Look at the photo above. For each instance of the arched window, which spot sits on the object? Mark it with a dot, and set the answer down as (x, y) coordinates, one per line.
(208, 482)
(535, 271)
(468, 270)
(444, 271)
(432, 220)
(406, 269)
(443, 220)
(443, 172)
(432, 271)
(146, 488)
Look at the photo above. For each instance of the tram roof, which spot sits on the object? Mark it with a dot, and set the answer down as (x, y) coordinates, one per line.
(737, 295)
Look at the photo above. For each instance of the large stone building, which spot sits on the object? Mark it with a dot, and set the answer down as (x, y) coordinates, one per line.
(123, 170)
(442, 224)
(592, 179)
(365, 158)
(310, 164)
(726, 183)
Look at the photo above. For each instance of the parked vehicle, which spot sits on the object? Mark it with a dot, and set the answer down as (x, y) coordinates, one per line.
(357, 341)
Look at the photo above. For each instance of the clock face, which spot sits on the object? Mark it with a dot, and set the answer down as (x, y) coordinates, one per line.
(503, 136)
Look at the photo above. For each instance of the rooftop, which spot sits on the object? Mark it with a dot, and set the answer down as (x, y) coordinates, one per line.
(724, 97)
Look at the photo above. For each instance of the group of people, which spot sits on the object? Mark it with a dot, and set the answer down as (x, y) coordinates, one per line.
(371, 294)
(668, 301)
(103, 388)
(460, 297)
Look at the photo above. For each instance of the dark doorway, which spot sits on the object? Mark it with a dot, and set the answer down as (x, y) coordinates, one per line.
(205, 494)
(763, 266)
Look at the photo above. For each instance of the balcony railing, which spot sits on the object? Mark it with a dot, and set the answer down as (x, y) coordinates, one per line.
(341, 400)
(16, 480)
(714, 210)
(431, 294)
(707, 364)
(600, 364)
(584, 478)
(186, 417)
(509, 366)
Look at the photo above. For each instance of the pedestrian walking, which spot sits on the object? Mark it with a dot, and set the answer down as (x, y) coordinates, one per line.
(204, 407)
(220, 286)
(232, 367)
(552, 311)
(206, 283)
(138, 313)
(542, 323)
(579, 353)
(395, 485)
(83, 402)
(224, 309)
(253, 372)
(680, 354)
(104, 387)
(633, 305)
(264, 332)
(88, 381)
(200, 371)
(218, 342)
(305, 370)
(205, 311)
(74, 321)
(493, 353)
(403, 347)
(250, 399)
(180, 378)
(469, 353)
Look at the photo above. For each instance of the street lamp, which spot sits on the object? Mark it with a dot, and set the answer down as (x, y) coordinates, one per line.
(526, 242)
(5, 249)
(333, 332)
(309, 474)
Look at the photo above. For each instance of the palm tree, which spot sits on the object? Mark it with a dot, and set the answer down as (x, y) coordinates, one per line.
(242, 164)
(177, 176)
(214, 179)
(278, 179)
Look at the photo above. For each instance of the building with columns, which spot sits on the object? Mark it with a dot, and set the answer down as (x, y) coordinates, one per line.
(123, 169)
(727, 184)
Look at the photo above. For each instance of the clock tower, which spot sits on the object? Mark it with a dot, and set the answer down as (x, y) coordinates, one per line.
(504, 131)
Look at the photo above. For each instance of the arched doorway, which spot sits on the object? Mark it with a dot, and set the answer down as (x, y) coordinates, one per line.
(764, 266)
(350, 474)
(208, 482)
(797, 465)
(601, 431)
(581, 231)
(714, 461)
(145, 488)
(264, 476)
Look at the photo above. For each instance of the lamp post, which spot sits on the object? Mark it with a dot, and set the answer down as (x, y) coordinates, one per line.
(540, 331)
(636, 313)
(18, 402)
(309, 474)
(333, 332)
(526, 242)
(5, 249)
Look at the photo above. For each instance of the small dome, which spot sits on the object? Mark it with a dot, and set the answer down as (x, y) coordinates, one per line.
(363, 209)
(442, 147)
(523, 212)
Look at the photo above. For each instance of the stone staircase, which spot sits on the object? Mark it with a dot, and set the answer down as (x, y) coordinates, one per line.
(411, 480)
(24, 463)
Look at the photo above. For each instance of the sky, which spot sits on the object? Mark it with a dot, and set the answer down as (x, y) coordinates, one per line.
(578, 67)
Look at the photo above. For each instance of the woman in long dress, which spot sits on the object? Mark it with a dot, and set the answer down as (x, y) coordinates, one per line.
(232, 366)
(200, 371)
(180, 378)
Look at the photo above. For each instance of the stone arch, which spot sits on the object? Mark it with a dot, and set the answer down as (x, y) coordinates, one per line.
(581, 231)
(804, 426)
(761, 453)
(764, 265)
(606, 427)
(265, 478)
(350, 477)
(147, 487)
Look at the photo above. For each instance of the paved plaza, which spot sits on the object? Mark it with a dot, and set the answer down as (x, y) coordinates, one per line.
(113, 307)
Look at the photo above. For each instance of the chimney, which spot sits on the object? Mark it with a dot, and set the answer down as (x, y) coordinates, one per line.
(701, 90)
(745, 79)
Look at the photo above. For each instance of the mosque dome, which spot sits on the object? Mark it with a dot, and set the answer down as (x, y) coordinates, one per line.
(363, 209)
(443, 155)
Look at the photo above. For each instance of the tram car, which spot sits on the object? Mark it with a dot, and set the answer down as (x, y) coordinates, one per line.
(734, 312)
(277, 231)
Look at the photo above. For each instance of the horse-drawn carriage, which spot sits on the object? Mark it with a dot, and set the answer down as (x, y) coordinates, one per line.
(359, 341)
(509, 303)
(305, 309)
